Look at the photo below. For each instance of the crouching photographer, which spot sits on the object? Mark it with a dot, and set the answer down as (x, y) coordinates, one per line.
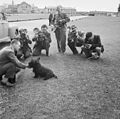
(42, 40)
(25, 50)
(92, 47)
(38, 38)
(75, 39)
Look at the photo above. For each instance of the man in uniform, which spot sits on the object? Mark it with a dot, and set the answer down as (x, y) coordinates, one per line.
(60, 20)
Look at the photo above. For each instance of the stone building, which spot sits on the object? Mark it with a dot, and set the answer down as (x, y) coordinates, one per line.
(11, 8)
(2, 8)
(35, 9)
(24, 8)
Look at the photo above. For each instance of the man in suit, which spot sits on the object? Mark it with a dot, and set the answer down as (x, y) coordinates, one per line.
(9, 64)
(60, 20)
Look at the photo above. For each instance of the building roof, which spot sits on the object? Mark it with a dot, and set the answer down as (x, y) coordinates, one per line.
(24, 3)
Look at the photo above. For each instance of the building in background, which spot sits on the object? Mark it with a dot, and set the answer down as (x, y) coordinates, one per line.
(1, 8)
(35, 9)
(11, 9)
(24, 8)
(50, 9)
(68, 10)
(101, 13)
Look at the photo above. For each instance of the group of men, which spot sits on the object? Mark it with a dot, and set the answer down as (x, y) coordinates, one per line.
(90, 44)
(19, 47)
(10, 56)
(42, 39)
(25, 50)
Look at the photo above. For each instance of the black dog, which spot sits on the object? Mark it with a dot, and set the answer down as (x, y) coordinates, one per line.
(41, 71)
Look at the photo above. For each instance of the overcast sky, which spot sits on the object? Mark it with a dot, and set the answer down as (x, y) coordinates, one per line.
(80, 5)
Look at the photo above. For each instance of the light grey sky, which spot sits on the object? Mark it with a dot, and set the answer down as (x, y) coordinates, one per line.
(80, 5)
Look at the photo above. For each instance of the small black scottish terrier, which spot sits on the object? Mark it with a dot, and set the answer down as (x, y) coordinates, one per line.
(41, 71)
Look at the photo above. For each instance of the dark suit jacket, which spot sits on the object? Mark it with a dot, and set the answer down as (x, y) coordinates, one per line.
(95, 42)
(7, 55)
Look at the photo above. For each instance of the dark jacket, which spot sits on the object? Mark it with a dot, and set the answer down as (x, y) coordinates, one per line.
(72, 38)
(61, 19)
(47, 36)
(7, 55)
(95, 42)
(24, 41)
(41, 39)
(51, 16)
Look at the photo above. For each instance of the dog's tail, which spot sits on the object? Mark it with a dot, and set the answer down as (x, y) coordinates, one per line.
(55, 76)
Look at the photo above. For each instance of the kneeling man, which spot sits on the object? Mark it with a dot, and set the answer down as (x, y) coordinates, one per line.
(9, 64)
(92, 46)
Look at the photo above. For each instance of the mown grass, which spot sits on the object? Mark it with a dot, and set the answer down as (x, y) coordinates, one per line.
(85, 89)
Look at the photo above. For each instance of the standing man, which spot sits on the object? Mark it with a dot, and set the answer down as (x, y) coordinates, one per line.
(3, 16)
(51, 16)
(60, 20)
(9, 64)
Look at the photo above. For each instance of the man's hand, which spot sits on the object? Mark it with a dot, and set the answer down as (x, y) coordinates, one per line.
(27, 65)
(62, 21)
(88, 46)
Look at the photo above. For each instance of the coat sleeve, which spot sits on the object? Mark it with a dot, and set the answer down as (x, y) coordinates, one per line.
(14, 60)
(34, 39)
(97, 44)
(49, 37)
(66, 18)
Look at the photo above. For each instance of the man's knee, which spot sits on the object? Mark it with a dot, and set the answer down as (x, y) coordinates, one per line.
(86, 51)
(10, 70)
(98, 50)
(9, 66)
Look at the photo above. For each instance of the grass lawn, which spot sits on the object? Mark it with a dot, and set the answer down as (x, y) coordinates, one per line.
(84, 89)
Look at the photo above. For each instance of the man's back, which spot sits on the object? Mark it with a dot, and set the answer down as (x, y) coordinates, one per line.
(4, 53)
(7, 55)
